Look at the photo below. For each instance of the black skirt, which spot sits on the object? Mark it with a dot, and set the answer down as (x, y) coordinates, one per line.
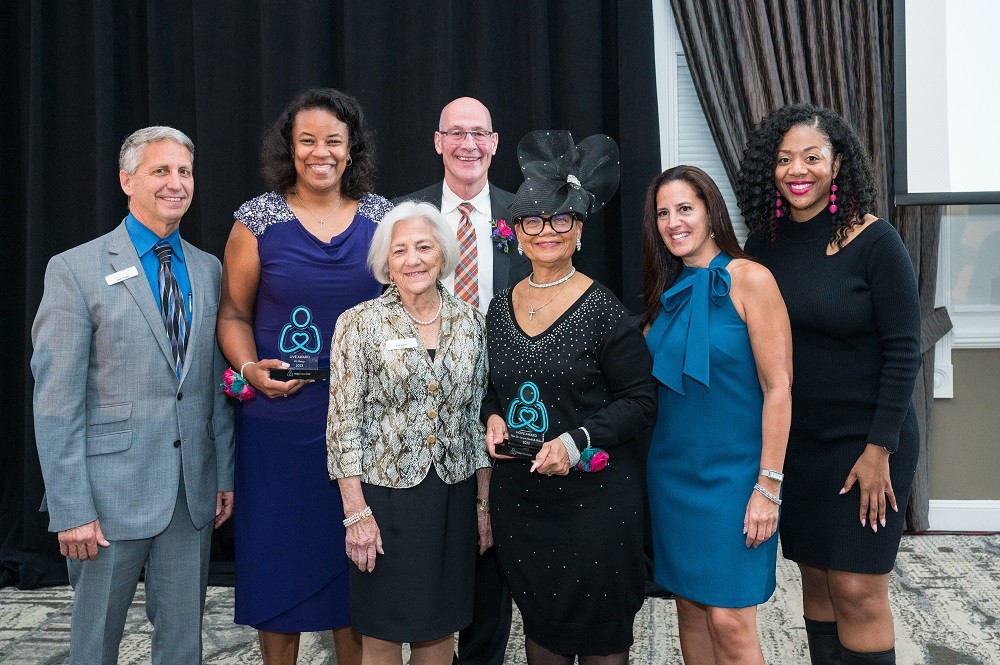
(422, 587)
(821, 527)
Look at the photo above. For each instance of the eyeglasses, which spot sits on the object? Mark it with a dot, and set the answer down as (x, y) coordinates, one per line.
(534, 225)
(458, 135)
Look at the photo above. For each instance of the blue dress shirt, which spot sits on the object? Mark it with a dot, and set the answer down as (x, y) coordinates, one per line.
(144, 240)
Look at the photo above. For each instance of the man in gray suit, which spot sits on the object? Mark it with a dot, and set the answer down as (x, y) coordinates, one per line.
(466, 142)
(134, 435)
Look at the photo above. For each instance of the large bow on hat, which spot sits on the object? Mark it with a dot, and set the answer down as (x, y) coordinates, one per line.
(560, 176)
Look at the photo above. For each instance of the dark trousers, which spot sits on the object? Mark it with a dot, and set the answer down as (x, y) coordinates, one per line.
(484, 642)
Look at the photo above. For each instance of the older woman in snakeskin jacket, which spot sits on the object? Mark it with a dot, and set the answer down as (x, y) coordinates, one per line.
(407, 376)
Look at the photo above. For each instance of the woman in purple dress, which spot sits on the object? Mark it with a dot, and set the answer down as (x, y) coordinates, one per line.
(294, 261)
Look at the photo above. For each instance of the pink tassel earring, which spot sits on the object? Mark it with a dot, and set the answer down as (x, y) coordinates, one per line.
(778, 204)
(833, 198)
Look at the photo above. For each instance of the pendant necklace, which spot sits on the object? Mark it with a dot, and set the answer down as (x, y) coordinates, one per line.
(546, 285)
(318, 218)
(533, 310)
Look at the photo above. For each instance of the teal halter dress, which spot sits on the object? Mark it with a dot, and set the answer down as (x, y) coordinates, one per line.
(705, 451)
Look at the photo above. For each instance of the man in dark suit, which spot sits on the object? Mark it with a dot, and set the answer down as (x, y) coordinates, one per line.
(134, 435)
(466, 142)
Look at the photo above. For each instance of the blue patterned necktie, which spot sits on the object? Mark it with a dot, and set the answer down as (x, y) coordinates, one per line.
(172, 306)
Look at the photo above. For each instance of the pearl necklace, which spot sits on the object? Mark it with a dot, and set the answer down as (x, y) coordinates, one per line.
(318, 218)
(425, 323)
(546, 285)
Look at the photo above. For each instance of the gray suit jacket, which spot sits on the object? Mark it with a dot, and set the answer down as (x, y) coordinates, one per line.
(508, 268)
(115, 429)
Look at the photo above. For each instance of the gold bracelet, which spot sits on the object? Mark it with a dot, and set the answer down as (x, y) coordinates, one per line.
(483, 505)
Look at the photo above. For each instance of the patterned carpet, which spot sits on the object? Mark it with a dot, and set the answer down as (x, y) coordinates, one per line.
(945, 594)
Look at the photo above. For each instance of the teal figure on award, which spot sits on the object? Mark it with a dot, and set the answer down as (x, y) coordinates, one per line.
(527, 422)
(300, 344)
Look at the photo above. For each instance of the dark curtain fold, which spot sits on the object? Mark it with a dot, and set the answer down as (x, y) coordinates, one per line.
(920, 228)
(749, 58)
(87, 74)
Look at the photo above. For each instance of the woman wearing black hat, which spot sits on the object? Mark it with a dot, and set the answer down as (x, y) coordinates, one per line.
(570, 387)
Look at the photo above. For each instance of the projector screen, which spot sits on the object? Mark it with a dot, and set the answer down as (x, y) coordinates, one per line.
(947, 101)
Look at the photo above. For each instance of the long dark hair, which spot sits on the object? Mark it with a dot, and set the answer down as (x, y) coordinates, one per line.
(660, 268)
(855, 180)
(276, 161)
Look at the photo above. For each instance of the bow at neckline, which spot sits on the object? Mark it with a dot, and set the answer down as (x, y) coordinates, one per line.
(686, 306)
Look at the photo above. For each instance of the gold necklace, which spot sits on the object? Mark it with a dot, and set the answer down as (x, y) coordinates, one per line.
(533, 310)
(318, 218)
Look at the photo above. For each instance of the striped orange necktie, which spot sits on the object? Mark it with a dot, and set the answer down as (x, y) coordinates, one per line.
(467, 272)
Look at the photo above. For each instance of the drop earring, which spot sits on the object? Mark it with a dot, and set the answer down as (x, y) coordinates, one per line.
(779, 204)
(712, 234)
(833, 198)
(520, 248)
(579, 245)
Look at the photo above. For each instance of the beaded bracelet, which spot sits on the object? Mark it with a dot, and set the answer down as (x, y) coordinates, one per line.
(770, 497)
(357, 517)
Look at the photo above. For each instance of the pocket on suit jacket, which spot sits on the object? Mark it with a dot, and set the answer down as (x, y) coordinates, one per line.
(109, 413)
(102, 444)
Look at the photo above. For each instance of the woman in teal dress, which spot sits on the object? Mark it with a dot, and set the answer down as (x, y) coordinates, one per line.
(721, 344)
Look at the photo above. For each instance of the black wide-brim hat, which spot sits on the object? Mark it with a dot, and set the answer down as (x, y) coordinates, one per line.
(560, 176)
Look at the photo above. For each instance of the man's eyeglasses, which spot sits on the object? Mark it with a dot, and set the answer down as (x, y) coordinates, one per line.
(534, 225)
(458, 135)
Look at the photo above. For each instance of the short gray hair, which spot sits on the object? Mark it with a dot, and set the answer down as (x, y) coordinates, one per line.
(378, 253)
(131, 152)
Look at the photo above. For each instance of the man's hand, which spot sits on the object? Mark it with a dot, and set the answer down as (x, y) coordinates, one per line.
(223, 508)
(81, 542)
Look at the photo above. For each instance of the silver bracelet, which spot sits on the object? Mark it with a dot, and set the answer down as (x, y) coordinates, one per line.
(357, 517)
(770, 497)
(586, 434)
(571, 449)
(772, 474)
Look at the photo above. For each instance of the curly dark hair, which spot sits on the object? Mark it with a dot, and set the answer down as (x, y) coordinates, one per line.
(276, 162)
(856, 189)
(660, 268)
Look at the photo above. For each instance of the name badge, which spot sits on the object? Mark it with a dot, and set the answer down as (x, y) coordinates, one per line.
(121, 275)
(406, 343)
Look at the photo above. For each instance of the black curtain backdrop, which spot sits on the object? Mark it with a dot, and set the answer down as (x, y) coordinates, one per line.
(85, 75)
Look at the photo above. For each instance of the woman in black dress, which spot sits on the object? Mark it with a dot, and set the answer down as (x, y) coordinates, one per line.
(807, 191)
(570, 382)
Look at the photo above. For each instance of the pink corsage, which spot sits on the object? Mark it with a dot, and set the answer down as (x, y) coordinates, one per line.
(592, 460)
(234, 385)
(501, 234)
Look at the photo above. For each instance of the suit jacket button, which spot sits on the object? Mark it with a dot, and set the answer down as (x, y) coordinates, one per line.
(177, 443)
(180, 396)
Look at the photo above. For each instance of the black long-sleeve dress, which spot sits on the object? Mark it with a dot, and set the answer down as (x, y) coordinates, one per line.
(571, 546)
(855, 319)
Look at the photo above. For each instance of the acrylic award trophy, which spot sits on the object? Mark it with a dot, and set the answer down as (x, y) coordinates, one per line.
(527, 424)
(299, 345)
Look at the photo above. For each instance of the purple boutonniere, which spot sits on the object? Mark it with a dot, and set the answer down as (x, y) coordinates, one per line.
(501, 234)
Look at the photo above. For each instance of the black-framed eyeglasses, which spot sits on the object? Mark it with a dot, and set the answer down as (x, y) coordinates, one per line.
(534, 224)
(458, 135)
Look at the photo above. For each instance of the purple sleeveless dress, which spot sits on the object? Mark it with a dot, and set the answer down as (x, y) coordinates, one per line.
(291, 569)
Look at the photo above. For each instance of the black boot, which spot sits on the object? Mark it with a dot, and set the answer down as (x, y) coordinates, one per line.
(824, 645)
(875, 658)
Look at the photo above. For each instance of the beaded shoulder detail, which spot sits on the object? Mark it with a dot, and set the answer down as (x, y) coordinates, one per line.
(267, 209)
(271, 208)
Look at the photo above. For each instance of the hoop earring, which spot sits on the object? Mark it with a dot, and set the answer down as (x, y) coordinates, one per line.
(520, 248)
(349, 160)
(833, 198)
(779, 204)
(579, 245)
